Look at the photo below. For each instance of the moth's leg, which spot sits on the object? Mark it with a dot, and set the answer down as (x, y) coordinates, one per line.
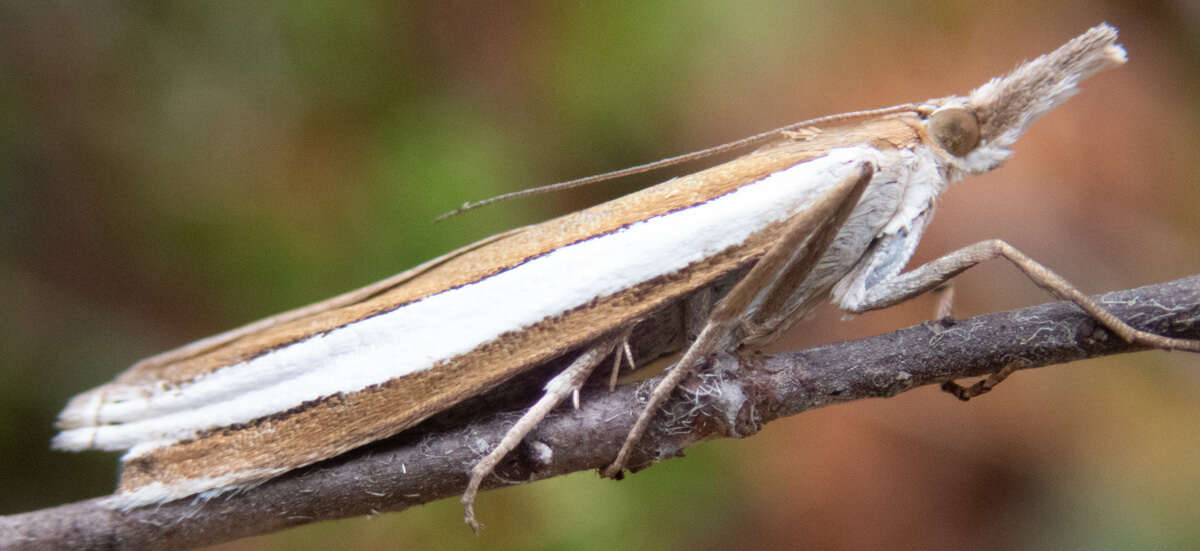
(905, 286)
(982, 386)
(804, 240)
(929, 276)
(944, 293)
(562, 385)
(623, 351)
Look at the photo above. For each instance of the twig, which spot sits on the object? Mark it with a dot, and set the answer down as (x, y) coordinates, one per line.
(733, 398)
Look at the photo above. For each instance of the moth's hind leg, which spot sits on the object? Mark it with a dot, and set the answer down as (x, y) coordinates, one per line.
(943, 294)
(564, 384)
(939, 272)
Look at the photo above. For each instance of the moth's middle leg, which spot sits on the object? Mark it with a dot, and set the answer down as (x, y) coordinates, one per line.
(805, 238)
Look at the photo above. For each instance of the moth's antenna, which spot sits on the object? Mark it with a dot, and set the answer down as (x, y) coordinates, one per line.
(686, 157)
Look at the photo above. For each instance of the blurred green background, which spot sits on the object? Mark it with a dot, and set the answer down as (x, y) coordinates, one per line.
(171, 169)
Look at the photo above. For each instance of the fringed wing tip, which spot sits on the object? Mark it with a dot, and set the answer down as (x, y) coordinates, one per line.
(200, 489)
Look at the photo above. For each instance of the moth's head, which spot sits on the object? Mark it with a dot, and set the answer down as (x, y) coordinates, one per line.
(978, 131)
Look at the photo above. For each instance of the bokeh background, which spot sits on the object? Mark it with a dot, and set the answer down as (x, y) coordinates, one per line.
(171, 169)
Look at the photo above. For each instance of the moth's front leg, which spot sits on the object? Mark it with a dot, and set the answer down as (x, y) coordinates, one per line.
(984, 385)
(938, 272)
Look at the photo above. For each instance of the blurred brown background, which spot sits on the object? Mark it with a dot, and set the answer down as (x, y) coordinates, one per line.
(170, 170)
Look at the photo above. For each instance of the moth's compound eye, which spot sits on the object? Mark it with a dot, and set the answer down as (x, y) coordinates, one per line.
(955, 129)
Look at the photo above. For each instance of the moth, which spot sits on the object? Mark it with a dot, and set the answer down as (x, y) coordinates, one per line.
(830, 208)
